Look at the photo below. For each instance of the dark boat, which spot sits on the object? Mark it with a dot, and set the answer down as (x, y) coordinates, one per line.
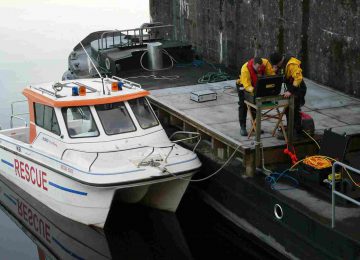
(148, 55)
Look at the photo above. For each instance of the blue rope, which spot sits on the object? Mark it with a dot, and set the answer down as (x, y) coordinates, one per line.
(275, 176)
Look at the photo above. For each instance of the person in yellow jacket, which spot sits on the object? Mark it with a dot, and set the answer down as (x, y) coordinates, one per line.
(249, 74)
(290, 67)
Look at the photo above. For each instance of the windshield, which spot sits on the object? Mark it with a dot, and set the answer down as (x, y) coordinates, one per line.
(115, 118)
(143, 112)
(79, 122)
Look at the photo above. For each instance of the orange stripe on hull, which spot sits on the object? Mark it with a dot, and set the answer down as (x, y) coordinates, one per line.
(39, 98)
(32, 132)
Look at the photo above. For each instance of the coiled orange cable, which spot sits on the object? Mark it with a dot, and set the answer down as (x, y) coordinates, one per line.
(317, 162)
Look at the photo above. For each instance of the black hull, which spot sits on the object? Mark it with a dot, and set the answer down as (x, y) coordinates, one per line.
(249, 203)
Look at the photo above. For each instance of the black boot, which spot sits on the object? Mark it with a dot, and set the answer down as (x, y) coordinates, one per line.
(243, 131)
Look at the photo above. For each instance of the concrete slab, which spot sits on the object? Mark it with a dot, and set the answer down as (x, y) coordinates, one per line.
(183, 102)
(233, 129)
(323, 121)
(347, 114)
(215, 114)
(321, 97)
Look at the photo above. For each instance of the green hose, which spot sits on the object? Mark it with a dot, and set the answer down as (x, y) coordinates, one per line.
(211, 77)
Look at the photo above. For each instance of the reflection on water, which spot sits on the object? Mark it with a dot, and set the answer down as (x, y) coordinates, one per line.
(136, 232)
(55, 236)
(131, 232)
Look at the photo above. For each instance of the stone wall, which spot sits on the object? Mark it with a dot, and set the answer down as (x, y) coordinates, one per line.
(324, 34)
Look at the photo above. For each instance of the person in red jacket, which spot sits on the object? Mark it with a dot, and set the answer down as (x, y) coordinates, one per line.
(249, 74)
(290, 67)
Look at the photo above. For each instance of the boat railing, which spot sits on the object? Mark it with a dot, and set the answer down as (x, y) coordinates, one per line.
(132, 37)
(334, 192)
(141, 163)
(193, 135)
(128, 83)
(17, 116)
(122, 150)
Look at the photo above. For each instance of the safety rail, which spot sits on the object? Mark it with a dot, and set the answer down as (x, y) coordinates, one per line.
(128, 83)
(17, 116)
(114, 151)
(132, 37)
(334, 192)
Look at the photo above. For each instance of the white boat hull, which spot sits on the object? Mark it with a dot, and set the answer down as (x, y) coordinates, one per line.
(161, 195)
(85, 203)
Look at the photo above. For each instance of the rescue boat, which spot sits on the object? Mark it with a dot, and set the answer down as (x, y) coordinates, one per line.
(92, 141)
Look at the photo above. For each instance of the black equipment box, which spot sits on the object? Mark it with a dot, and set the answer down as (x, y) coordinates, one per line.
(314, 175)
(333, 145)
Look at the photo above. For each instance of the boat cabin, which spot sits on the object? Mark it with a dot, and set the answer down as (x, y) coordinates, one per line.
(88, 111)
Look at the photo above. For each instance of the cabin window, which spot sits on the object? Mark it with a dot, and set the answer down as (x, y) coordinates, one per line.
(45, 117)
(115, 118)
(79, 122)
(143, 113)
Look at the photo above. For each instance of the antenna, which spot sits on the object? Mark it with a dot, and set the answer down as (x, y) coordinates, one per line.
(102, 79)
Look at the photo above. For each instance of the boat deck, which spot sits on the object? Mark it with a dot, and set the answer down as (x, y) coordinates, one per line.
(179, 76)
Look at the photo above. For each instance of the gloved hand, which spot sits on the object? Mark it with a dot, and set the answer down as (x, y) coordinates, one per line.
(287, 94)
(250, 89)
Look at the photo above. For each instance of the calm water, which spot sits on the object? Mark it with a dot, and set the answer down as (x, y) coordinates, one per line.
(36, 38)
(131, 232)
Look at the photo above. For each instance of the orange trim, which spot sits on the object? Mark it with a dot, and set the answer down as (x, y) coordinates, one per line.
(32, 131)
(41, 253)
(39, 98)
